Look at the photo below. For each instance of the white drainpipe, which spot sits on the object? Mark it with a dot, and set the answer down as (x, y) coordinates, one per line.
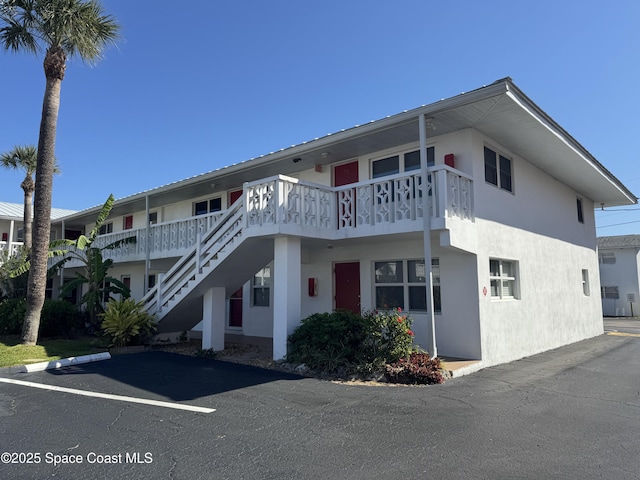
(426, 216)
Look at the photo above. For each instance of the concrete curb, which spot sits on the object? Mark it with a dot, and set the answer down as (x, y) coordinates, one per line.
(64, 362)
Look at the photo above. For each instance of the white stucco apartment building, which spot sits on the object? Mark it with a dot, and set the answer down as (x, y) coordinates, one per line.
(505, 196)
(619, 258)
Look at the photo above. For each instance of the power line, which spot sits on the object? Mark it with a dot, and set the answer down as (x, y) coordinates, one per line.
(616, 224)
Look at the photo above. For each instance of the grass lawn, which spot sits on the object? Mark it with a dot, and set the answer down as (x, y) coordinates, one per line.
(12, 353)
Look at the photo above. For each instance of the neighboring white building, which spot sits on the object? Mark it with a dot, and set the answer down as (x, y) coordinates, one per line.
(506, 195)
(619, 275)
(12, 224)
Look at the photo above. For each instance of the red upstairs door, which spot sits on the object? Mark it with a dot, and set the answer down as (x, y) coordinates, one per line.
(347, 283)
(233, 196)
(345, 174)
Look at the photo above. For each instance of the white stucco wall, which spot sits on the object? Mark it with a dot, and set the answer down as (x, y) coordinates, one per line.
(537, 227)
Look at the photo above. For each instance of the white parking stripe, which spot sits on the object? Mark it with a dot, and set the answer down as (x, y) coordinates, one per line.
(120, 398)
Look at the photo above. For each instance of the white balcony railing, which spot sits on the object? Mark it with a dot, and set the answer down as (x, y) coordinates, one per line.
(362, 207)
(396, 199)
(165, 239)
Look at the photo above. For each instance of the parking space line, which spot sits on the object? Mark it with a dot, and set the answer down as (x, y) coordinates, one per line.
(120, 398)
(622, 334)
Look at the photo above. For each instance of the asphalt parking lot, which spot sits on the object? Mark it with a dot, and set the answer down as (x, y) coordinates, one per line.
(570, 413)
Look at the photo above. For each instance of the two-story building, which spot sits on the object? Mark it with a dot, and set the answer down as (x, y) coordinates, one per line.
(474, 214)
(619, 258)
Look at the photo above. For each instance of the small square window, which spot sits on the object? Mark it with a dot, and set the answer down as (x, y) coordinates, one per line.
(503, 279)
(153, 218)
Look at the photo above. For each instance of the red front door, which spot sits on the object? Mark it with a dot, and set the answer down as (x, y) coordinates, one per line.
(347, 282)
(235, 308)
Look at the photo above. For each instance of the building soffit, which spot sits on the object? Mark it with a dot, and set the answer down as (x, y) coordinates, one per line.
(500, 111)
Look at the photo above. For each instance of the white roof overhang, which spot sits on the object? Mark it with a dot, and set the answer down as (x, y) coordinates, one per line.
(500, 110)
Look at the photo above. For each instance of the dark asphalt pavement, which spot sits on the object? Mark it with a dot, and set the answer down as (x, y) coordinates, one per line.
(573, 413)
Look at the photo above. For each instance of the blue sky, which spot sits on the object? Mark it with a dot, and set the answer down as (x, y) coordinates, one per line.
(195, 86)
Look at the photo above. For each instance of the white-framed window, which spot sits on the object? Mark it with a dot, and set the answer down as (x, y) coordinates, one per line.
(503, 277)
(261, 287)
(402, 284)
(611, 293)
(153, 218)
(585, 282)
(207, 206)
(105, 228)
(607, 258)
(498, 170)
(402, 162)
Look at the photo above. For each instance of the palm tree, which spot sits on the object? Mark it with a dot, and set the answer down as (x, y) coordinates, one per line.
(62, 29)
(25, 158)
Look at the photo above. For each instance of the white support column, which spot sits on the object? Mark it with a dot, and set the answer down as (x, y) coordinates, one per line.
(287, 293)
(214, 314)
(433, 349)
(10, 239)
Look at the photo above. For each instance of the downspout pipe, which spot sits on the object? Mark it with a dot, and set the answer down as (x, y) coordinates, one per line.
(426, 217)
(146, 246)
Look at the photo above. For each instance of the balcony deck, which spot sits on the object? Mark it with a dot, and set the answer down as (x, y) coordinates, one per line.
(285, 205)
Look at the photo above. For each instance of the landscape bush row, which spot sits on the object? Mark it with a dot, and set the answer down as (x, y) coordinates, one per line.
(343, 343)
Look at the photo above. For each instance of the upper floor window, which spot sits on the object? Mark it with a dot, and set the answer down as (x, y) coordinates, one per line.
(580, 212)
(105, 228)
(404, 162)
(153, 218)
(503, 278)
(207, 206)
(497, 170)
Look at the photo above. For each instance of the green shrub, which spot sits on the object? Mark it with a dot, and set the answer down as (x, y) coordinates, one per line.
(59, 318)
(418, 369)
(389, 338)
(346, 342)
(328, 341)
(127, 322)
(12, 312)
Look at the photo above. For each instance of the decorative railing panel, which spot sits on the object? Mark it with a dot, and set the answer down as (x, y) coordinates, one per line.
(390, 200)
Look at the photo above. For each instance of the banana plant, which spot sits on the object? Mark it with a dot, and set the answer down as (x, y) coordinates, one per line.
(92, 278)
